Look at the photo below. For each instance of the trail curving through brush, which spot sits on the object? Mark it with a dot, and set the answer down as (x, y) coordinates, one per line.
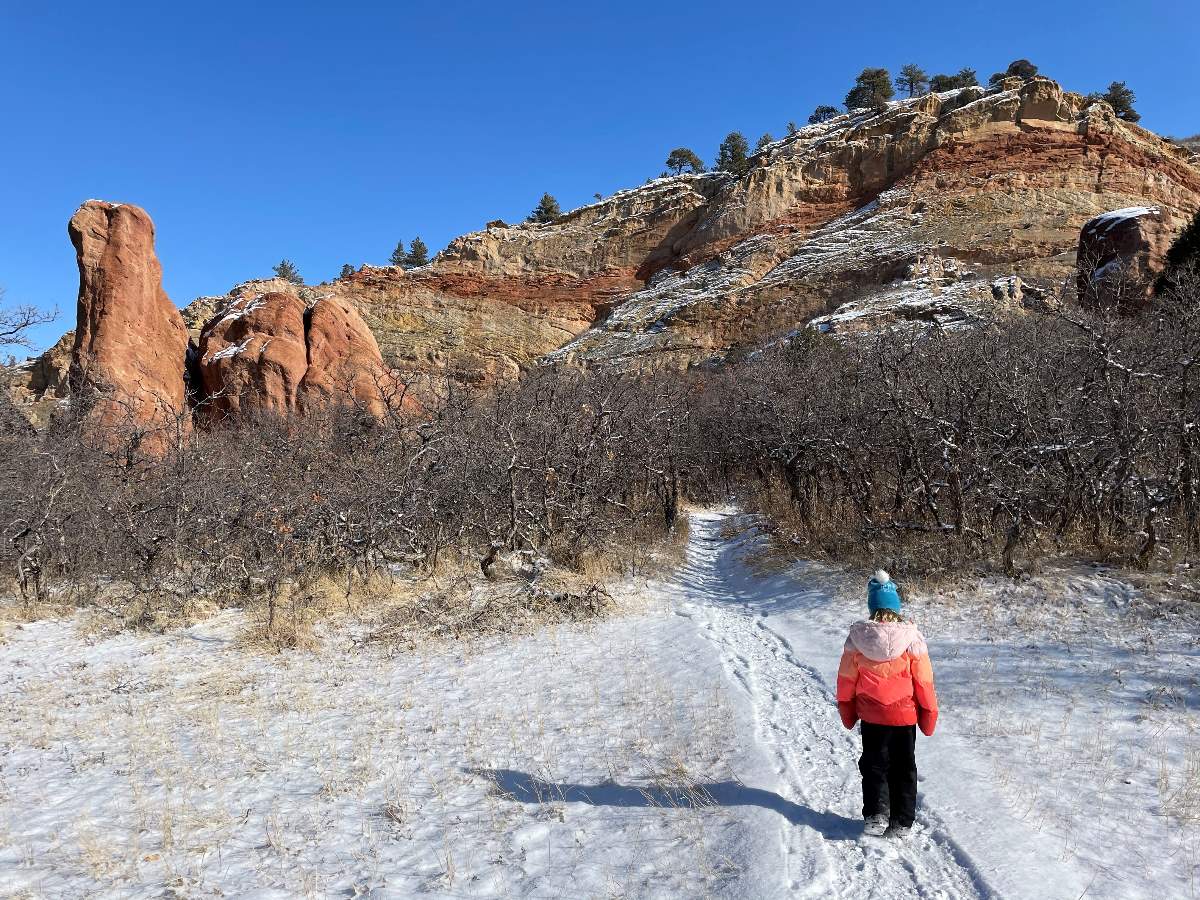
(796, 726)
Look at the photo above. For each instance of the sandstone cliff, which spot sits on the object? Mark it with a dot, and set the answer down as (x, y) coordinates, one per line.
(935, 209)
(988, 184)
(926, 210)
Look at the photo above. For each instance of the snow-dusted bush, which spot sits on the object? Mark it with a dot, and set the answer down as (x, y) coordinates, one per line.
(551, 470)
(1060, 430)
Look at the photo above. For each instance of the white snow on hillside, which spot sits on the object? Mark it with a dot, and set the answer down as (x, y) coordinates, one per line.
(632, 328)
(688, 747)
(1104, 223)
(138, 765)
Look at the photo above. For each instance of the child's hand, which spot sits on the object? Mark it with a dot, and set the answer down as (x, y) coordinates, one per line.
(848, 714)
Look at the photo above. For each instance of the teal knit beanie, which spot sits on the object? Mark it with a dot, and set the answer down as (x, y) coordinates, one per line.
(882, 593)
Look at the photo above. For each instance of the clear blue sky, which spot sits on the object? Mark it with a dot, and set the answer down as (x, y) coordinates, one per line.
(325, 132)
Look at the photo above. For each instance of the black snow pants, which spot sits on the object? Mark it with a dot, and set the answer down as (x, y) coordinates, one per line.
(889, 772)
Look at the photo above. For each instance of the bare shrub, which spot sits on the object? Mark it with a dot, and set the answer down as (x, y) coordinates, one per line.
(558, 469)
(1065, 430)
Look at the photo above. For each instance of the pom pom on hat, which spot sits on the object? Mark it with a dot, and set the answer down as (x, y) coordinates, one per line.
(882, 593)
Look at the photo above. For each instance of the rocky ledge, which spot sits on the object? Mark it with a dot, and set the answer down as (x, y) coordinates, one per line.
(943, 208)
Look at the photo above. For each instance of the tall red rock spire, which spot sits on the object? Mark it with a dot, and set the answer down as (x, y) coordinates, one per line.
(130, 342)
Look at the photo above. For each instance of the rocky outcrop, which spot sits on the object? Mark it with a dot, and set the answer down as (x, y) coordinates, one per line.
(999, 182)
(253, 356)
(829, 225)
(996, 183)
(38, 386)
(344, 362)
(1121, 253)
(202, 310)
(130, 340)
(267, 348)
(934, 292)
(272, 354)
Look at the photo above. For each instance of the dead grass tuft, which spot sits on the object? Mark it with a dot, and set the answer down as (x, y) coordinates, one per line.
(466, 608)
(1179, 790)
(287, 622)
(396, 605)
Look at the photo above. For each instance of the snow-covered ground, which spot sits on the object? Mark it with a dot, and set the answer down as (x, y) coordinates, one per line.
(137, 765)
(689, 747)
(1067, 758)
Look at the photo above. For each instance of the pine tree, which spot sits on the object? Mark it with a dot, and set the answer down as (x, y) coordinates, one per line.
(964, 77)
(872, 90)
(763, 141)
(418, 254)
(399, 255)
(1186, 249)
(1121, 99)
(288, 271)
(913, 79)
(1021, 68)
(731, 155)
(822, 113)
(546, 211)
(681, 158)
(792, 127)
(347, 270)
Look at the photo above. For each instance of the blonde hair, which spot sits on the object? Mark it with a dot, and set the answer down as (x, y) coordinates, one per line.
(886, 615)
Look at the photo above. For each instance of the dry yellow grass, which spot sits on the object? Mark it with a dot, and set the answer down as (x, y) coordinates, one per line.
(453, 599)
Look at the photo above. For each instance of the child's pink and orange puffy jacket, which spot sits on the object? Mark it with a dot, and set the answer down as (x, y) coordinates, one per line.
(885, 677)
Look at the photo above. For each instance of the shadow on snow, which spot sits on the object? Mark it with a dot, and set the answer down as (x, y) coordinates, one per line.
(528, 789)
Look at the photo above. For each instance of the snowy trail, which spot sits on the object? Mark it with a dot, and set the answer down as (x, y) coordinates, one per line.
(813, 757)
(689, 747)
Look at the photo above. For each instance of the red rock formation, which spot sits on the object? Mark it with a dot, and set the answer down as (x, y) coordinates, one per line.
(253, 356)
(269, 354)
(1121, 253)
(130, 341)
(996, 183)
(344, 363)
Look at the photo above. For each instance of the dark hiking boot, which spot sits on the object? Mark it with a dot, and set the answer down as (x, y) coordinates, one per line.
(875, 826)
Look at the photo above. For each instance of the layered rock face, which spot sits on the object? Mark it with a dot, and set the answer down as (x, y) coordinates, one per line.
(995, 183)
(943, 208)
(272, 354)
(497, 300)
(1121, 253)
(38, 386)
(988, 185)
(130, 341)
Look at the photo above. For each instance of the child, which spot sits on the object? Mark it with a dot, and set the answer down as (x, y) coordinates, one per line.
(885, 680)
